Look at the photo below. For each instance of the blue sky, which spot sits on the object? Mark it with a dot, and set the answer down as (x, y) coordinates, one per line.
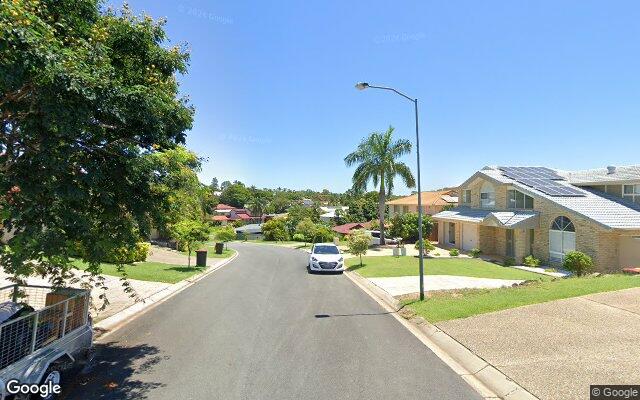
(554, 83)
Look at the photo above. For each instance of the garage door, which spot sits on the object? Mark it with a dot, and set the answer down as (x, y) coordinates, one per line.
(469, 236)
(629, 251)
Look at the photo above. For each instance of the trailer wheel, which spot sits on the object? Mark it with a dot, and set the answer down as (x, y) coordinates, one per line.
(53, 374)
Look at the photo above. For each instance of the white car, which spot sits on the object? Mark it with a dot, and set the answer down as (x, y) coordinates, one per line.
(325, 257)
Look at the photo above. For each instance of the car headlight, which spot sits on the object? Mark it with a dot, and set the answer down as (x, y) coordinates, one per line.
(314, 259)
(340, 259)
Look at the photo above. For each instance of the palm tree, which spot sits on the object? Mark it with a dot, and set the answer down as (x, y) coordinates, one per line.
(258, 202)
(375, 158)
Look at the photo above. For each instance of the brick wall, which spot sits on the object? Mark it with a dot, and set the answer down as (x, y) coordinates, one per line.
(487, 239)
(521, 244)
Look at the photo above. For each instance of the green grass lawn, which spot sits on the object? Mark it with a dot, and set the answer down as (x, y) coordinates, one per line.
(386, 266)
(149, 271)
(448, 305)
(211, 252)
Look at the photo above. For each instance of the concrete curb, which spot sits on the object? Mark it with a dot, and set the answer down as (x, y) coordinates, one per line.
(111, 324)
(482, 376)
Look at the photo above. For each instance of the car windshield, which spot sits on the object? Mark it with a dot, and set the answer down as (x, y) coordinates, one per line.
(325, 250)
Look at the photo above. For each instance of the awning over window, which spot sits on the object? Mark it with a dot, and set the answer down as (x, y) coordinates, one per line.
(516, 219)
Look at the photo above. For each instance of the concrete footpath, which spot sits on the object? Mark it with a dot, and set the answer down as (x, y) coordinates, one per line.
(401, 285)
(118, 299)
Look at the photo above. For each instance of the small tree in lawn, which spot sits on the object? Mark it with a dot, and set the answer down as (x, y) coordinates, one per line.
(190, 233)
(358, 242)
(225, 235)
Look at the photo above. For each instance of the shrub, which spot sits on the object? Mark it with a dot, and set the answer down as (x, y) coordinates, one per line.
(358, 242)
(119, 255)
(275, 230)
(454, 252)
(299, 237)
(127, 256)
(578, 263)
(531, 261)
(141, 251)
(305, 228)
(475, 253)
(427, 246)
(405, 226)
(226, 234)
(322, 233)
(509, 262)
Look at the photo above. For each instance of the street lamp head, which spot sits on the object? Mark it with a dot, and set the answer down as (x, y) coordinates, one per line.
(362, 85)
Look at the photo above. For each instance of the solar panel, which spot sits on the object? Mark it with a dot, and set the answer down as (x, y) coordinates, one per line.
(540, 178)
(530, 173)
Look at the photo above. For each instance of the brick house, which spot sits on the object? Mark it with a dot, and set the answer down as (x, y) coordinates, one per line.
(517, 211)
(432, 203)
(225, 214)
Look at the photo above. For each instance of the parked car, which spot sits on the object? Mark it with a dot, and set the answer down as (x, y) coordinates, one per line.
(375, 239)
(45, 333)
(325, 257)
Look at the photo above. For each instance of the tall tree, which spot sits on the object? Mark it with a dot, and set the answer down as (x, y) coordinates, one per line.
(176, 183)
(235, 195)
(258, 201)
(214, 184)
(85, 95)
(376, 160)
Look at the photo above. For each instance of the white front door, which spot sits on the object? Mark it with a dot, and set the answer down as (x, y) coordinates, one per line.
(469, 236)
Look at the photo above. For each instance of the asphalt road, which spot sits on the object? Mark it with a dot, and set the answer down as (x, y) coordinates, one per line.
(263, 328)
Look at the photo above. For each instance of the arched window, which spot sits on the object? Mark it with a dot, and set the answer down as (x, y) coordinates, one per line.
(563, 224)
(562, 238)
(487, 196)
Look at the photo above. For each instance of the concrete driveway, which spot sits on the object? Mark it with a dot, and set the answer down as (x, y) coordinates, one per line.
(557, 349)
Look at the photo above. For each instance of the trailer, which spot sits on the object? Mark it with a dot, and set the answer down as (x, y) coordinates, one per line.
(44, 333)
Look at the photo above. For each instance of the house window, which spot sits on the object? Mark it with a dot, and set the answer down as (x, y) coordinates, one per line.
(487, 196)
(631, 192)
(405, 209)
(452, 233)
(519, 200)
(562, 238)
(466, 196)
(396, 209)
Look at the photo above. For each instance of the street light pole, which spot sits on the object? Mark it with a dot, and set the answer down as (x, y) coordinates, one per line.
(364, 85)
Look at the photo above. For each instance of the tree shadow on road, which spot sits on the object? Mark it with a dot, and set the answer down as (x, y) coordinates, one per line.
(186, 269)
(112, 374)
